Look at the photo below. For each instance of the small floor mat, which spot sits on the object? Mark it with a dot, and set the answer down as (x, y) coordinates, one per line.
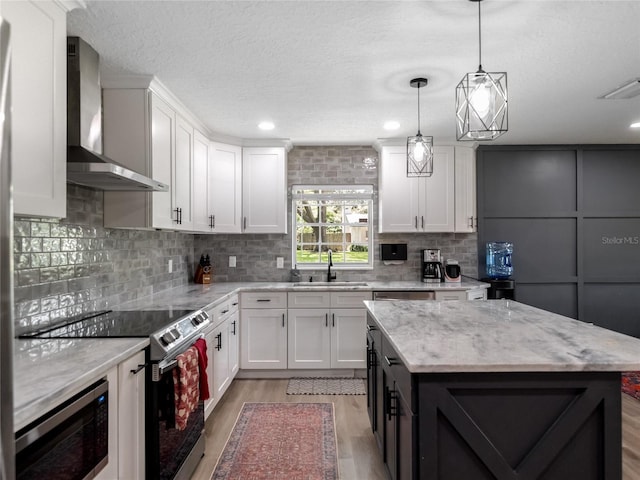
(326, 386)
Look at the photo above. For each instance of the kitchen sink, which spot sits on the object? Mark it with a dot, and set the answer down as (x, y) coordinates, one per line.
(331, 284)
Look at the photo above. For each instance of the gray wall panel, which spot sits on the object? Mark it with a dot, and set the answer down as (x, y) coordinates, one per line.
(611, 181)
(559, 298)
(613, 306)
(543, 248)
(612, 249)
(529, 182)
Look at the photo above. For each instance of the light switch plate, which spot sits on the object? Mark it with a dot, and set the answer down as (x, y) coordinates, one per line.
(279, 262)
(232, 261)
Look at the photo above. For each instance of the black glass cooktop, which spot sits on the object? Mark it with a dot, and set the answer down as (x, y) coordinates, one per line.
(110, 323)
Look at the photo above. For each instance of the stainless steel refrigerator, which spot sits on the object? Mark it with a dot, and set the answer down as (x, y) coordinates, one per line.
(7, 448)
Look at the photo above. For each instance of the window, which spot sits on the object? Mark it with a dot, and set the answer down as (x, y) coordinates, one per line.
(336, 218)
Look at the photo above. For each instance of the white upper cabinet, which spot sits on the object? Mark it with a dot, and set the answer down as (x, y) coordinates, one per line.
(182, 191)
(39, 106)
(264, 190)
(466, 217)
(225, 188)
(416, 204)
(147, 134)
(201, 161)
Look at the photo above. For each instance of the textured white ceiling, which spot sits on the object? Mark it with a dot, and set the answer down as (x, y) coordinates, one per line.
(332, 72)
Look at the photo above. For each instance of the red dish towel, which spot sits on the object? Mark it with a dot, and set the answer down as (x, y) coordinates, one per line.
(201, 346)
(185, 386)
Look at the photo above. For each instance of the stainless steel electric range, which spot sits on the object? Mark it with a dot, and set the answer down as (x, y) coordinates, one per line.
(170, 453)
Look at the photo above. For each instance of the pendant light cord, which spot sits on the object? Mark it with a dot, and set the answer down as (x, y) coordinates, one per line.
(418, 109)
(479, 38)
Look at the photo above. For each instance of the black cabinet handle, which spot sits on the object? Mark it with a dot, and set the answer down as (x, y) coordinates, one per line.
(391, 403)
(135, 371)
(283, 320)
(233, 332)
(326, 319)
(177, 220)
(219, 338)
(371, 328)
(212, 222)
(244, 223)
(390, 361)
(263, 300)
(225, 311)
(333, 319)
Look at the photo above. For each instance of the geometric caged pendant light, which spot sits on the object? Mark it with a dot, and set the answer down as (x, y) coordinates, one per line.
(481, 101)
(419, 148)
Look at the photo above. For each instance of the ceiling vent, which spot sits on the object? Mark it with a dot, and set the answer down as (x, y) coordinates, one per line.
(629, 89)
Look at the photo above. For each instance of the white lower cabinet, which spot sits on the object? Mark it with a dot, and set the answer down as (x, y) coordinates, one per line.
(131, 417)
(326, 337)
(126, 420)
(263, 323)
(222, 350)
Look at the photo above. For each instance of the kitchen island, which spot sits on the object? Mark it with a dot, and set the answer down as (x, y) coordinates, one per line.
(494, 389)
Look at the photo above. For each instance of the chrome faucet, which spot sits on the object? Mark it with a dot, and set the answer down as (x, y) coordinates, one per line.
(330, 276)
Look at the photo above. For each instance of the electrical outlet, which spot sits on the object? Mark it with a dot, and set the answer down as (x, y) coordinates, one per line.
(170, 266)
(279, 262)
(232, 261)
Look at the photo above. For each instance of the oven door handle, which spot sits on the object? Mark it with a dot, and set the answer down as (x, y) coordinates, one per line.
(165, 365)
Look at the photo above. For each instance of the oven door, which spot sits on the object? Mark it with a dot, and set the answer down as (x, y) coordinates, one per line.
(172, 454)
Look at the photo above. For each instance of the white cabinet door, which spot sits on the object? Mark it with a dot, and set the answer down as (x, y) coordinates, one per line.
(131, 418)
(264, 339)
(437, 193)
(183, 175)
(418, 204)
(39, 106)
(163, 128)
(465, 163)
(309, 338)
(225, 188)
(264, 190)
(398, 194)
(220, 360)
(201, 215)
(234, 344)
(348, 338)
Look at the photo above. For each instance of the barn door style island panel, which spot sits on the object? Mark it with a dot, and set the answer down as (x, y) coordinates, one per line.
(494, 389)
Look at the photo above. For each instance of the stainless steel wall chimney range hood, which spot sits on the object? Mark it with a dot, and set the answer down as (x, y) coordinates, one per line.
(85, 163)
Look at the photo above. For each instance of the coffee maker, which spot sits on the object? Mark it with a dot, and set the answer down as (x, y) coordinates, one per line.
(432, 271)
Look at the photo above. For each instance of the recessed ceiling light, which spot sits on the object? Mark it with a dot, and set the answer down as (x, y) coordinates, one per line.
(391, 125)
(266, 126)
(635, 125)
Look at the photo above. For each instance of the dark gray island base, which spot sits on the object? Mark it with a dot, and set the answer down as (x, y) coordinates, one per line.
(553, 425)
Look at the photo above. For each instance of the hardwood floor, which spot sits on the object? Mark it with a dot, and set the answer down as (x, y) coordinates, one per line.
(358, 455)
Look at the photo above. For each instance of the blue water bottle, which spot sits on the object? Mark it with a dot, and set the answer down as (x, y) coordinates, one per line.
(499, 260)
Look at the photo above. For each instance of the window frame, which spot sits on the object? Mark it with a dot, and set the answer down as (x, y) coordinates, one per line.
(360, 192)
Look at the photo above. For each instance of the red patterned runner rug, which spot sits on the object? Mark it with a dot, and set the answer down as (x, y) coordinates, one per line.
(631, 384)
(272, 441)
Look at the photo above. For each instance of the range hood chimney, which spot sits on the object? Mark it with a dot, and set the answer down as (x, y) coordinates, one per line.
(85, 163)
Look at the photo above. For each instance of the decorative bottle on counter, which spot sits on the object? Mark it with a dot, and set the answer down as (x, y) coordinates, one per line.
(499, 264)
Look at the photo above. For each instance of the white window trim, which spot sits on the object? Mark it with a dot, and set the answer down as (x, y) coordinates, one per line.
(366, 194)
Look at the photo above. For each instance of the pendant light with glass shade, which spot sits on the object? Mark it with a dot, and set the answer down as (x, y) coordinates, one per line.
(419, 147)
(481, 101)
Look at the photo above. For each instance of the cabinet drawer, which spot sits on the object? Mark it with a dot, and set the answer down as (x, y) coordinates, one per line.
(309, 299)
(218, 312)
(477, 294)
(234, 304)
(263, 300)
(392, 362)
(451, 295)
(349, 299)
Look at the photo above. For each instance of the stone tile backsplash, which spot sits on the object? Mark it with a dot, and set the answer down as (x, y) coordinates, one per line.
(75, 265)
(309, 165)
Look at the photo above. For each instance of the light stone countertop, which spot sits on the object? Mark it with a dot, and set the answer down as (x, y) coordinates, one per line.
(47, 372)
(498, 336)
(54, 370)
